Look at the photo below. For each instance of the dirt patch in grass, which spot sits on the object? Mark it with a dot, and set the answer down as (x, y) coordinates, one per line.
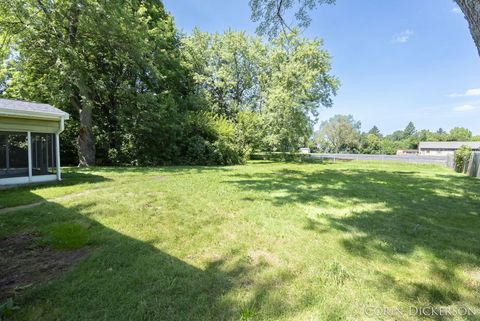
(24, 262)
(261, 257)
(475, 275)
(473, 280)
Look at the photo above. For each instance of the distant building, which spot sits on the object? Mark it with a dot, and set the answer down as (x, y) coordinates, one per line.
(402, 152)
(444, 148)
(305, 150)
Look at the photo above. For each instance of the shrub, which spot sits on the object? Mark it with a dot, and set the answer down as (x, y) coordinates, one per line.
(198, 151)
(462, 156)
(226, 148)
(211, 141)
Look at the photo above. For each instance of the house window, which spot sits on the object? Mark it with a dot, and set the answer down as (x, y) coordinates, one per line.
(13, 154)
(43, 154)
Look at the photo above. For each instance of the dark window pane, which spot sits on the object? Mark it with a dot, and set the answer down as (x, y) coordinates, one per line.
(43, 154)
(13, 155)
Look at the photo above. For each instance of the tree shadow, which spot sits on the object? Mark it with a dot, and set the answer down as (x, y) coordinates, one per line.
(123, 278)
(387, 216)
(129, 279)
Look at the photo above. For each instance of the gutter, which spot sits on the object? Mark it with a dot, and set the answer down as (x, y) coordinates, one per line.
(34, 114)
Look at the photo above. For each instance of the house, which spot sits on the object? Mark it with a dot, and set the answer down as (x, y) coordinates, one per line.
(29, 142)
(304, 150)
(406, 152)
(444, 148)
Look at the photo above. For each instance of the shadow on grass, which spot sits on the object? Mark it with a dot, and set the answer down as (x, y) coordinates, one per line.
(122, 279)
(24, 194)
(127, 279)
(387, 216)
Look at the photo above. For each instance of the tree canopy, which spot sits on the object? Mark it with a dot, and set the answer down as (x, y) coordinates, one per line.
(375, 131)
(114, 65)
(270, 14)
(141, 94)
(281, 83)
(339, 133)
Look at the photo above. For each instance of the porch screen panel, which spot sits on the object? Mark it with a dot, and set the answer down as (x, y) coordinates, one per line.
(13, 155)
(43, 154)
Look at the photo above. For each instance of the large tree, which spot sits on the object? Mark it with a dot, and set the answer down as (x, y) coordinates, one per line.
(283, 82)
(112, 64)
(297, 82)
(271, 15)
(409, 130)
(338, 134)
(375, 131)
(459, 134)
(226, 67)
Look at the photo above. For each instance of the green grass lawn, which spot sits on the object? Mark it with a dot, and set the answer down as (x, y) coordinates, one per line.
(264, 241)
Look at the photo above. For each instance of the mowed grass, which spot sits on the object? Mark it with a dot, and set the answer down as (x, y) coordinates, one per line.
(264, 241)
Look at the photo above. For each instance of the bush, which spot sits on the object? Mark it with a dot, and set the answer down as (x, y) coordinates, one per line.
(211, 141)
(462, 157)
(226, 149)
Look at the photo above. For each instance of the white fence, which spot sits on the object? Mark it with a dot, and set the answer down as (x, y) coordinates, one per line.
(473, 168)
(441, 160)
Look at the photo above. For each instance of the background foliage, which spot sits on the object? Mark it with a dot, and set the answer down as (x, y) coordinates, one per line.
(342, 133)
(462, 156)
(141, 94)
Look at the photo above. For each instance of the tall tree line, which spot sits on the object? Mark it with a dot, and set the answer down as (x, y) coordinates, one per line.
(342, 134)
(139, 94)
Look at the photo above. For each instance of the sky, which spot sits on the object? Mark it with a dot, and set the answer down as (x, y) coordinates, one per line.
(397, 60)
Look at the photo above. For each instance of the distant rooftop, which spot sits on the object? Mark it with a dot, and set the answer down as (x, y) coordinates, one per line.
(19, 107)
(448, 145)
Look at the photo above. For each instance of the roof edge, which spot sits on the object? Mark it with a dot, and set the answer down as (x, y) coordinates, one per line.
(36, 114)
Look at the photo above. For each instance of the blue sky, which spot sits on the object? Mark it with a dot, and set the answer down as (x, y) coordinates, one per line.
(397, 60)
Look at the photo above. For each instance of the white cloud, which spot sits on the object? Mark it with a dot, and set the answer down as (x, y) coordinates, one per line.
(403, 36)
(464, 108)
(455, 95)
(456, 10)
(474, 92)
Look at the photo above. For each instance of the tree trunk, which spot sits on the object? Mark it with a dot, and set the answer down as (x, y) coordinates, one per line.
(471, 10)
(85, 139)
